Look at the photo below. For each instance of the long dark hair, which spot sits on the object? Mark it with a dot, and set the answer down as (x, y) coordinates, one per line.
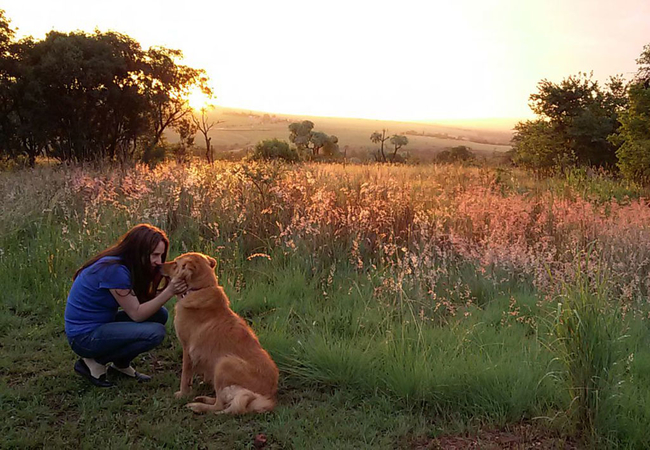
(134, 250)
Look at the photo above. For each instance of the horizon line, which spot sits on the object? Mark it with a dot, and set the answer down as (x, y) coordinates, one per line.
(328, 116)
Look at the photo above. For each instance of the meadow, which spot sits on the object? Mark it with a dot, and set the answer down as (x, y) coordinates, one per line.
(240, 129)
(402, 304)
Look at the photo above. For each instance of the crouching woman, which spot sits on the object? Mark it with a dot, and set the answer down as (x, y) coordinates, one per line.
(126, 276)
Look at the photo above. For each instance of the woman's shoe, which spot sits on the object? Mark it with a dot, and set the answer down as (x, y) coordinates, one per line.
(82, 369)
(129, 372)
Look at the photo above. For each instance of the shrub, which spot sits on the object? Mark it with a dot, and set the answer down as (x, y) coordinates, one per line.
(274, 149)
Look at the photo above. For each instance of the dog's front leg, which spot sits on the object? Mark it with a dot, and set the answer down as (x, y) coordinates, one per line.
(186, 376)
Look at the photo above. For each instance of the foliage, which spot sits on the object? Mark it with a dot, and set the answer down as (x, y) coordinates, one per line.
(538, 147)
(84, 97)
(274, 149)
(398, 142)
(575, 118)
(634, 134)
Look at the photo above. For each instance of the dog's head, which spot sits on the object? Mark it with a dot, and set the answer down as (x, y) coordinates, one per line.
(196, 269)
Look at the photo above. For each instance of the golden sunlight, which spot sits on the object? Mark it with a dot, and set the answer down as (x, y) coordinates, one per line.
(198, 100)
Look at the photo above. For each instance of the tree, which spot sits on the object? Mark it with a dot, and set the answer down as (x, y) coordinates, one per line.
(204, 126)
(643, 72)
(310, 143)
(300, 134)
(167, 87)
(380, 138)
(325, 143)
(78, 96)
(8, 124)
(579, 115)
(634, 133)
(398, 142)
(7, 35)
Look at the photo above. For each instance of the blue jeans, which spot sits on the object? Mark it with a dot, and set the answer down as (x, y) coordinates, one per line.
(122, 340)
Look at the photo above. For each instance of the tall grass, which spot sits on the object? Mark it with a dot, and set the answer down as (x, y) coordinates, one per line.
(590, 332)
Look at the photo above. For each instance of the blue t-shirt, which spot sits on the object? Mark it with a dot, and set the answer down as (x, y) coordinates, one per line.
(90, 303)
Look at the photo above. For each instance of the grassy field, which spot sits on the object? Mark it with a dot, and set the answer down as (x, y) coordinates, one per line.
(241, 129)
(404, 305)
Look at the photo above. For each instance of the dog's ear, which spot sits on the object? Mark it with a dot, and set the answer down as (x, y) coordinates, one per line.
(212, 261)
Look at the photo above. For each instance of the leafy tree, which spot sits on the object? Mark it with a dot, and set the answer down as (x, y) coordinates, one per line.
(6, 35)
(8, 143)
(77, 96)
(311, 143)
(398, 142)
(324, 144)
(580, 114)
(300, 134)
(643, 71)
(274, 149)
(634, 134)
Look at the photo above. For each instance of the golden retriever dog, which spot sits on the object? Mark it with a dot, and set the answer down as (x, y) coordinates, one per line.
(218, 344)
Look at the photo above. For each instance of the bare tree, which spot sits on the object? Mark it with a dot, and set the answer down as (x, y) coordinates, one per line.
(204, 126)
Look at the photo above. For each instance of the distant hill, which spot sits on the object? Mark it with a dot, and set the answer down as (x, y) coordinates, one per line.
(241, 129)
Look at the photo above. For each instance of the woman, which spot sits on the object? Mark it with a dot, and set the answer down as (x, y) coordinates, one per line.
(125, 275)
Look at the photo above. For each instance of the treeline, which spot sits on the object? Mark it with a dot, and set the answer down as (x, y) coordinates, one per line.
(85, 97)
(581, 123)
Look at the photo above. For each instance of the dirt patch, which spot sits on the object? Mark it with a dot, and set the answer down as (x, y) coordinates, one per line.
(519, 437)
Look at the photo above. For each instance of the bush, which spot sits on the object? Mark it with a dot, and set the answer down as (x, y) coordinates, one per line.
(456, 154)
(274, 149)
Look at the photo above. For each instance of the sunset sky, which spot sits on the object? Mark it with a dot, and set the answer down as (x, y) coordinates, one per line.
(407, 60)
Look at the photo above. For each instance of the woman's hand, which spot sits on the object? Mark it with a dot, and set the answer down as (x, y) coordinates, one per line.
(178, 286)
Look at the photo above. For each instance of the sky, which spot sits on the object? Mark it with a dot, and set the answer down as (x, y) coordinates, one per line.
(400, 60)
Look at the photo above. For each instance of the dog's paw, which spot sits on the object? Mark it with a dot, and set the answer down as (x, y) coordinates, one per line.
(180, 394)
(197, 408)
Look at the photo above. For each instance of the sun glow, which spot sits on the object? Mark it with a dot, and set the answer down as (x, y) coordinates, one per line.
(198, 100)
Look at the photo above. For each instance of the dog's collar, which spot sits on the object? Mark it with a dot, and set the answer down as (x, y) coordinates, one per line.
(188, 291)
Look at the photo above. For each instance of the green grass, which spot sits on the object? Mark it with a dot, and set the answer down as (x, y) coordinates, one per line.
(366, 359)
(355, 374)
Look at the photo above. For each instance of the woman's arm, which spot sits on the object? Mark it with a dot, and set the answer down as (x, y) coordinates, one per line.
(139, 312)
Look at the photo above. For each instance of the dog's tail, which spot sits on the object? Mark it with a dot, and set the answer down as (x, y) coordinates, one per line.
(245, 401)
(233, 400)
(260, 403)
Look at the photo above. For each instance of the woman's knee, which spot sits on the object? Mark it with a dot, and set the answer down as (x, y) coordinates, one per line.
(160, 316)
(156, 333)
